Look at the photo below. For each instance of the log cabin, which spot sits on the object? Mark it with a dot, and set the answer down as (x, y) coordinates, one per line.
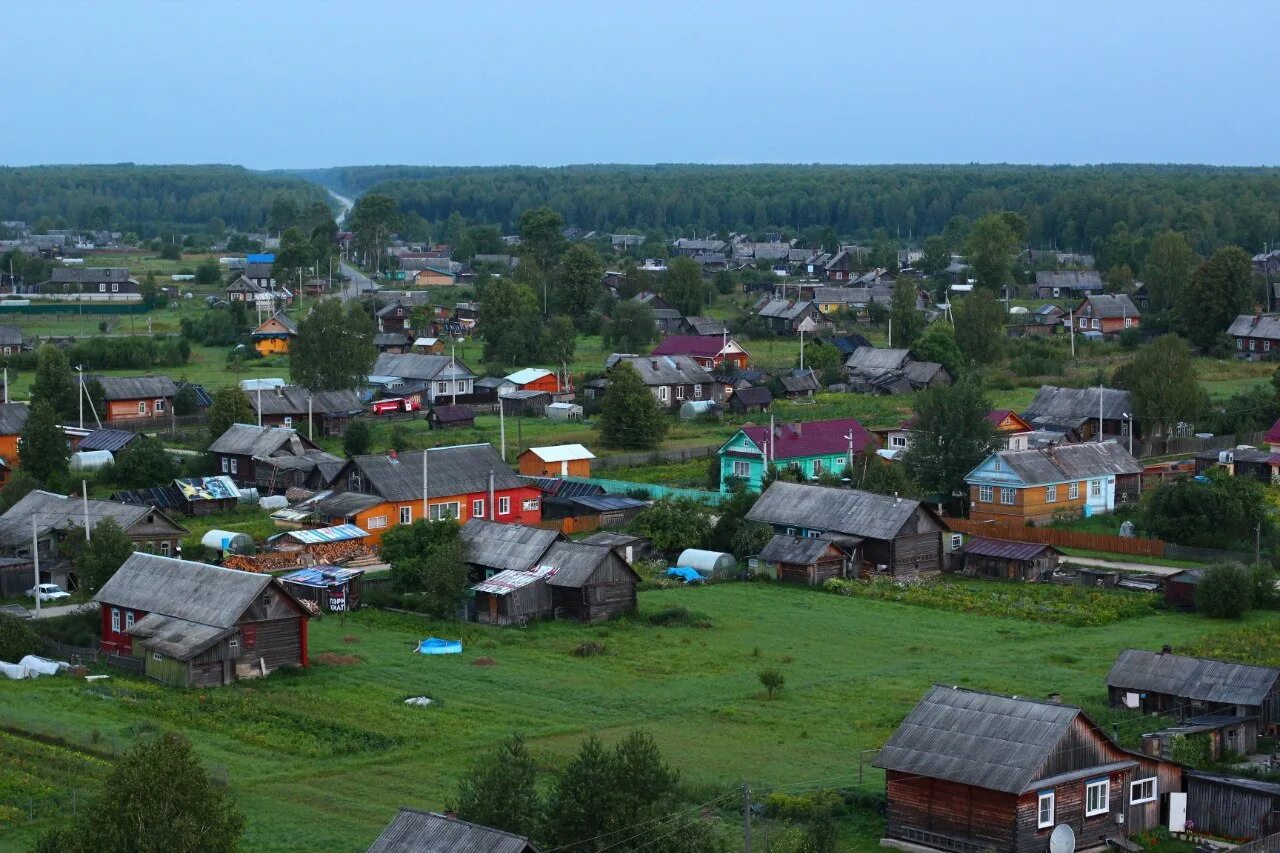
(1183, 687)
(589, 583)
(799, 559)
(1006, 560)
(970, 771)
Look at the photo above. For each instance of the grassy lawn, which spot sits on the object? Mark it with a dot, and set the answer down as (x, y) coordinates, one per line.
(322, 760)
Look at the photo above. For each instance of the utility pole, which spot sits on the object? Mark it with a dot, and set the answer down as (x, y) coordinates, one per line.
(35, 559)
(746, 817)
(84, 493)
(453, 369)
(80, 391)
(890, 333)
(426, 514)
(1099, 410)
(310, 421)
(502, 429)
(1071, 324)
(259, 402)
(1257, 546)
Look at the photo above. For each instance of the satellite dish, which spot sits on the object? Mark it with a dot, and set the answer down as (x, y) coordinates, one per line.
(1063, 839)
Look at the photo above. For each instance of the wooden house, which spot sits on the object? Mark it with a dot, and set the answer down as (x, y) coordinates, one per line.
(589, 583)
(1183, 687)
(810, 449)
(1107, 314)
(443, 416)
(191, 496)
(535, 379)
(802, 559)
(1231, 806)
(272, 458)
(293, 406)
(395, 343)
(631, 548)
(1057, 284)
(892, 371)
(1256, 335)
(971, 771)
(666, 318)
(133, 397)
(898, 536)
(430, 278)
(1078, 413)
(530, 403)
(1011, 427)
(13, 420)
(787, 317)
(1005, 560)
(90, 284)
(242, 289)
(274, 335)
(513, 597)
(1224, 736)
(195, 625)
(493, 548)
(12, 341)
(672, 379)
(1040, 485)
(395, 317)
(841, 267)
(414, 831)
(562, 460)
(438, 376)
(750, 399)
(710, 352)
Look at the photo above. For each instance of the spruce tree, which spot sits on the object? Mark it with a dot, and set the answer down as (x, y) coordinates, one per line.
(630, 417)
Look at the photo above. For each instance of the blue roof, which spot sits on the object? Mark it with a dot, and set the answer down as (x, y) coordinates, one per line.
(261, 258)
(317, 536)
(322, 576)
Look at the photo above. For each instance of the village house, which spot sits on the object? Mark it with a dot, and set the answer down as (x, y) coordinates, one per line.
(13, 420)
(840, 267)
(460, 482)
(1256, 335)
(395, 316)
(272, 458)
(1040, 485)
(191, 496)
(274, 335)
(976, 771)
(1107, 314)
(195, 625)
(259, 268)
(889, 534)
(1004, 560)
(785, 317)
(562, 460)
(832, 299)
(1076, 413)
(493, 547)
(133, 397)
(666, 318)
(749, 399)
(689, 248)
(1014, 432)
(672, 379)
(444, 416)
(704, 327)
(535, 379)
(803, 559)
(392, 342)
(892, 371)
(1232, 806)
(1059, 284)
(12, 340)
(328, 412)
(709, 352)
(241, 289)
(1186, 687)
(414, 831)
(90, 284)
(430, 277)
(589, 583)
(1260, 465)
(434, 376)
(812, 449)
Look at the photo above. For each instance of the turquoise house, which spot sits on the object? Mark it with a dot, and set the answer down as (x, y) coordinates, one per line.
(814, 448)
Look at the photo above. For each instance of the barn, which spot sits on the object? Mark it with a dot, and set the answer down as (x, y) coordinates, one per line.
(590, 583)
(802, 559)
(1000, 558)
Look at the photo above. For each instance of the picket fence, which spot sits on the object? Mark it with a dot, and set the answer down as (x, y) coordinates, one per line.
(1060, 538)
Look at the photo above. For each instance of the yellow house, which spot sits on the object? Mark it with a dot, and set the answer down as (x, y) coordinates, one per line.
(274, 336)
(431, 278)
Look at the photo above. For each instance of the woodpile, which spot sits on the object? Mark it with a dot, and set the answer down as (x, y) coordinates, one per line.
(351, 554)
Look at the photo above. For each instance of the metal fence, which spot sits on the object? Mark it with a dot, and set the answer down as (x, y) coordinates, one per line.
(653, 490)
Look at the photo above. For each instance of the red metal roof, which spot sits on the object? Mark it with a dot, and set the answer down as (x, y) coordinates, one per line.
(814, 438)
(697, 346)
(1005, 549)
(1273, 434)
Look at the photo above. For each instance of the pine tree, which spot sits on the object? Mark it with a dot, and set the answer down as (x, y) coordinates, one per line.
(501, 789)
(630, 417)
(581, 802)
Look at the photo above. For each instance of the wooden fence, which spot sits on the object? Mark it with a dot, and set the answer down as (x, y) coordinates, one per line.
(1060, 538)
(126, 663)
(63, 651)
(1262, 845)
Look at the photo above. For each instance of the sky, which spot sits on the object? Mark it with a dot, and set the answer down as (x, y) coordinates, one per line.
(284, 84)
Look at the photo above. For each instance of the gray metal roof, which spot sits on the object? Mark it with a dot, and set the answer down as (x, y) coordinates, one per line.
(875, 360)
(506, 546)
(1255, 326)
(136, 387)
(980, 739)
(13, 417)
(415, 366)
(1064, 462)
(178, 638)
(848, 511)
(61, 512)
(666, 369)
(1070, 407)
(457, 470)
(783, 308)
(292, 400)
(923, 372)
(106, 439)
(796, 550)
(88, 275)
(1111, 305)
(574, 562)
(345, 504)
(10, 336)
(1192, 678)
(260, 441)
(182, 589)
(413, 831)
(1069, 279)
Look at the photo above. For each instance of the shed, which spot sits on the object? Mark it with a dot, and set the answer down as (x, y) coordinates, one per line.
(1224, 734)
(561, 460)
(298, 540)
(1180, 588)
(750, 400)
(228, 541)
(451, 417)
(563, 412)
(414, 831)
(532, 403)
(1162, 682)
(1232, 807)
(513, 597)
(332, 588)
(590, 583)
(493, 547)
(803, 559)
(691, 409)
(709, 564)
(1001, 558)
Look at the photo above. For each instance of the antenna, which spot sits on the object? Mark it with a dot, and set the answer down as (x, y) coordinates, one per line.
(1063, 839)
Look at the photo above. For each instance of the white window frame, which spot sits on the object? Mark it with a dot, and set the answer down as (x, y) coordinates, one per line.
(1104, 799)
(1095, 488)
(1043, 799)
(1239, 343)
(164, 547)
(897, 441)
(477, 508)
(1084, 324)
(406, 515)
(1008, 496)
(157, 657)
(115, 618)
(142, 407)
(1097, 324)
(662, 393)
(817, 467)
(115, 287)
(442, 387)
(985, 494)
(128, 619)
(160, 404)
(1051, 494)
(288, 421)
(679, 392)
(377, 522)
(504, 505)
(840, 463)
(233, 646)
(1073, 492)
(1138, 791)
(741, 468)
(234, 465)
(225, 466)
(697, 392)
(102, 287)
(1253, 344)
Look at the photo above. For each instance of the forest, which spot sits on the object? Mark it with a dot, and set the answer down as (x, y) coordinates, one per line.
(148, 200)
(1068, 207)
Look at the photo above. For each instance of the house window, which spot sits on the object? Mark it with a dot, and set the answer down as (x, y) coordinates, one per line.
(1128, 322)
(164, 547)
(377, 522)
(406, 515)
(1142, 791)
(443, 511)
(957, 540)
(1097, 798)
(1050, 494)
(1096, 324)
(142, 407)
(839, 463)
(504, 506)
(1095, 488)
(1239, 343)
(233, 646)
(102, 288)
(529, 505)
(662, 393)
(157, 657)
(996, 466)
(477, 509)
(791, 531)
(1007, 496)
(742, 469)
(128, 619)
(442, 387)
(817, 467)
(1266, 346)
(1084, 324)
(679, 392)
(115, 287)
(897, 441)
(1253, 345)
(115, 621)
(224, 465)
(234, 465)
(1044, 810)
(160, 405)
(984, 494)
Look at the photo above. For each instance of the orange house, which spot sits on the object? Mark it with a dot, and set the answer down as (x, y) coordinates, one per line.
(132, 397)
(1012, 428)
(562, 460)
(430, 278)
(275, 335)
(535, 379)
(13, 418)
(1109, 314)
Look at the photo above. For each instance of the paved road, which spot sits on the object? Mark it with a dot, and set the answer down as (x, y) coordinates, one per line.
(346, 204)
(359, 284)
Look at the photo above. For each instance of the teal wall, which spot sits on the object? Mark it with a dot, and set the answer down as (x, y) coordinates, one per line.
(833, 463)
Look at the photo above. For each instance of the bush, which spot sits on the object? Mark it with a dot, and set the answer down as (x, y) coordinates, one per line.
(809, 805)
(673, 615)
(1225, 591)
(74, 629)
(772, 680)
(17, 638)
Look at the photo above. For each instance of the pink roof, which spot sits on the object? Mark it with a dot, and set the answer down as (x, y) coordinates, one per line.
(697, 346)
(814, 438)
(996, 416)
(1273, 434)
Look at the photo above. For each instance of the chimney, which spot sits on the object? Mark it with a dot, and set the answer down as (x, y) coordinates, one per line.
(653, 362)
(795, 427)
(777, 433)
(391, 455)
(896, 500)
(1055, 698)
(1166, 650)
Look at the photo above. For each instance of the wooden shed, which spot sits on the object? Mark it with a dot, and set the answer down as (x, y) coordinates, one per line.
(1232, 807)
(414, 831)
(513, 597)
(1165, 683)
(590, 583)
(1223, 733)
(1180, 588)
(801, 559)
(451, 417)
(561, 460)
(1006, 560)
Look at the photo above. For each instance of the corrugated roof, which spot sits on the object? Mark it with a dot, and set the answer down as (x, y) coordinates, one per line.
(61, 512)
(980, 739)
(322, 576)
(259, 441)
(506, 546)
(873, 360)
(1069, 462)
(1003, 548)
(504, 583)
(182, 589)
(561, 453)
(457, 470)
(1111, 305)
(527, 375)
(795, 441)
(135, 387)
(574, 562)
(1070, 407)
(665, 369)
(701, 346)
(417, 366)
(107, 439)
(608, 503)
(796, 550)
(320, 535)
(849, 511)
(182, 639)
(292, 400)
(1192, 678)
(13, 418)
(1069, 279)
(1255, 326)
(413, 831)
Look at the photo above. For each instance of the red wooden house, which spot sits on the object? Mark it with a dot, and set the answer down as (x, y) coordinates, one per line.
(535, 379)
(708, 351)
(1109, 314)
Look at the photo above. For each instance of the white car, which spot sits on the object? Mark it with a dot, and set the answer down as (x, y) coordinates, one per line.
(49, 592)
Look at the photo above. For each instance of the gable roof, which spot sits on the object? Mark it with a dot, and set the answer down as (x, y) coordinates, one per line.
(281, 318)
(1192, 678)
(1041, 465)
(456, 470)
(797, 550)
(1111, 305)
(700, 346)
(418, 366)
(260, 441)
(849, 511)
(62, 512)
(706, 326)
(88, 275)
(783, 308)
(183, 589)
(983, 547)
(13, 418)
(798, 440)
(506, 546)
(292, 400)
(982, 739)
(527, 375)
(10, 336)
(665, 369)
(413, 831)
(996, 417)
(1070, 279)
(1069, 407)
(135, 387)
(872, 360)
(1255, 326)
(575, 563)
(755, 395)
(561, 453)
(799, 381)
(107, 439)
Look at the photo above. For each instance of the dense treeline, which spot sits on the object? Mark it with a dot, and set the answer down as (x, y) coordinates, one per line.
(1067, 207)
(148, 200)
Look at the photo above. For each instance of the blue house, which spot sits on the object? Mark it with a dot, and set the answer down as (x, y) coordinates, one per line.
(814, 448)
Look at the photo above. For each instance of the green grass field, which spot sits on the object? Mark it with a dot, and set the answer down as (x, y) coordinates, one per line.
(321, 760)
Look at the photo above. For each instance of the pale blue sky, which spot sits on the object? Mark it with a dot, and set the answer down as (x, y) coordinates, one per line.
(275, 84)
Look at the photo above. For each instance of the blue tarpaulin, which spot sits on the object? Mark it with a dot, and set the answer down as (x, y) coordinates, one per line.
(437, 646)
(685, 574)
